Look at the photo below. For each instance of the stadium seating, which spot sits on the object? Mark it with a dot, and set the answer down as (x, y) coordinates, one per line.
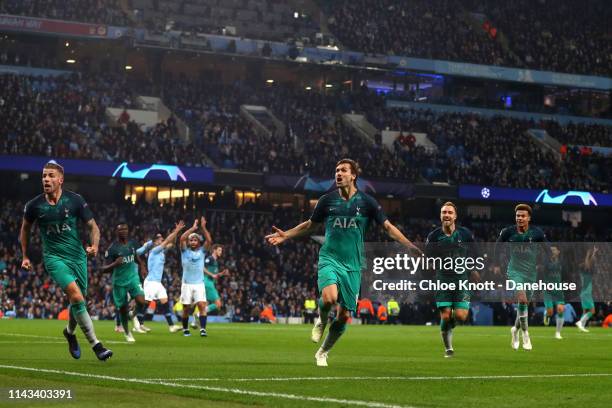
(66, 118)
(522, 34)
(86, 11)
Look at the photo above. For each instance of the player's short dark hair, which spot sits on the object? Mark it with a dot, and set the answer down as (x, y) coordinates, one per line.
(52, 164)
(522, 207)
(450, 204)
(215, 246)
(355, 169)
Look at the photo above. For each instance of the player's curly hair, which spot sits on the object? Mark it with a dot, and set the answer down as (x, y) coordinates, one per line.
(355, 169)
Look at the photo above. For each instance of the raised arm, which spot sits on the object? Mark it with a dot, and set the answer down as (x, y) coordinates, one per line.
(398, 236)
(207, 237)
(167, 243)
(185, 236)
(144, 248)
(24, 238)
(280, 236)
(590, 258)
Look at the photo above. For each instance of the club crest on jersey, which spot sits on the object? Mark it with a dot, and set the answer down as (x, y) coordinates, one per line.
(357, 213)
(65, 213)
(345, 223)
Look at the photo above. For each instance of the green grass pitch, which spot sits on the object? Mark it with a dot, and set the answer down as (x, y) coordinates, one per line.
(273, 365)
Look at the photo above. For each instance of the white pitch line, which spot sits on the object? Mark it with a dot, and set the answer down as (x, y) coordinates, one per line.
(399, 378)
(31, 342)
(211, 388)
(53, 337)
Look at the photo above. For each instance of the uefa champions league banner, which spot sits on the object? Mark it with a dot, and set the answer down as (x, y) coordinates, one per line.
(544, 196)
(99, 168)
(489, 272)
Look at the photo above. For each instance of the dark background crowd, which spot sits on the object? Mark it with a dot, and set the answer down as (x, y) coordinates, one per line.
(559, 36)
(66, 117)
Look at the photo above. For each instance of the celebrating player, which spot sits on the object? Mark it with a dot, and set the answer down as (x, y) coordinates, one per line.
(444, 242)
(346, 212)
(554, 299)
(586, 289)
(522, 266)
(126, 281)
(153, 288)
(57, 211)
(192, 288)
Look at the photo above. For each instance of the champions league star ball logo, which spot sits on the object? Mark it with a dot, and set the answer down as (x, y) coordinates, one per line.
(485, 192)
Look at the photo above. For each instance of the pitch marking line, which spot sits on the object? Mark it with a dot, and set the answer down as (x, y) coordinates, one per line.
(211, 388)
(400, 378)
(54, 337)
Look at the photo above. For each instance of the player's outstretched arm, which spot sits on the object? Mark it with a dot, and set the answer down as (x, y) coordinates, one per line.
(280, 236)
(207, 237)
(398, 236)
(172, 236)
(185, 236)
(94, 238)
(24, 238)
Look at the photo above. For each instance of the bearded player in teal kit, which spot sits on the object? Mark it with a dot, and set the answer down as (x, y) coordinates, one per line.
(57, 213)
(346, 212)
(449, 241)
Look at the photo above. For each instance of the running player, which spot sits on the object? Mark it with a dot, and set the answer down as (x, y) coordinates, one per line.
(554, 299)
(444, 242)
(522, 267)
(346, 212)
(126, 281)
(153, 288)
(57, 212)
(586, 292)
(192, 288)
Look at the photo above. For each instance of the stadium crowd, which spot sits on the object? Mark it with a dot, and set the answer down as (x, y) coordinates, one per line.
(65, 117)
(473, 149)
(86, 11)
(471, 32)
(415, 28)
(521, 34)
(560, 36)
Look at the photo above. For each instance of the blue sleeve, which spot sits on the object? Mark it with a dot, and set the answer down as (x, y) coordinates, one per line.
(157, 249)
(144, 248)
